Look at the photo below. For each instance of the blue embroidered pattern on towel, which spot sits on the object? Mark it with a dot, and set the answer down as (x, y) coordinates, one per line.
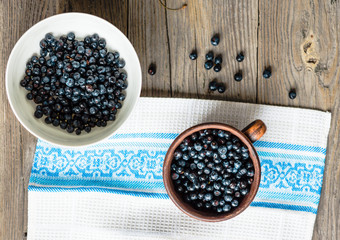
(293, 177)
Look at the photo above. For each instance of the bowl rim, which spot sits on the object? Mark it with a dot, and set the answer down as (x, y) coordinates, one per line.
(185, 207)
(19, 42)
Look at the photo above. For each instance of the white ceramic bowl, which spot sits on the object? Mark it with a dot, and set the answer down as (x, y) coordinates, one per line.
(82, 25)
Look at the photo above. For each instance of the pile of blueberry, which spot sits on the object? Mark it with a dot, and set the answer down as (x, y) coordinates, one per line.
(76, 85)
(212, 170)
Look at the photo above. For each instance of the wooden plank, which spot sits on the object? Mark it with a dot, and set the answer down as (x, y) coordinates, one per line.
(114, 11)
(16, 150)
(193, 27)
(300, 40)
(148, 34)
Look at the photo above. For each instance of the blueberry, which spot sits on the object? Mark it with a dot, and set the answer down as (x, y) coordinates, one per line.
(78, 131)
(70, 82)
(240, 57)
(221, 88)
(217, 67)
(209, 56)
(190, 187)
(213, 175)
(207, 205)
(48, 120)
(245, 155)
(242, 171)
(200, 165)
(215, 40)
(210, 188)
(219, 209)
(214, 203)
(250, 173)
(34, 59)
(267, 73)
(121, 63)
(244, 191)
(228, 198)
(234, 203)
(54, 59)
(43, 44)
(194, 136)
(206, 170)
(102, 53)
(63, 125)
(174, 176)
(81, 49)
(208, 197)
(102, 43)
(243, 184)
(213, 85)
(29, 96)
(93, 110)
(70, 36)
(43, 52)
(49, 37)
(226, 208)
(232, 185)
(152, 69)
(292, 94)
(238, 76)
(218, 59)
(208, 64)
(217, 185)
(198, 146)
(193, 55)
(203, 185)
(55, 122)
(237, 164)
(38, 113)
(94, 38)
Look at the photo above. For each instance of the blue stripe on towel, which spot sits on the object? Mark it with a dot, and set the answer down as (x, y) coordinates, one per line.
(263, 144)
(285, 207)
(165, 196)
(136, 167)
(83, 182)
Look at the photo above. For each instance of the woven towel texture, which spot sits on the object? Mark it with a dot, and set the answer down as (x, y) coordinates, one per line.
(114, 189)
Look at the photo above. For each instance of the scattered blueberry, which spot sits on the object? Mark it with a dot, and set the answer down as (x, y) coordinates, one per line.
(217, 67)
(209, 56)
(218, 59)
(215, 40)
(240, 57)
(193, 55)
(267, 73)
(292, 94)
(221, 88)
(238, 76)
(213, 85)
(208, 64)
(152, 69)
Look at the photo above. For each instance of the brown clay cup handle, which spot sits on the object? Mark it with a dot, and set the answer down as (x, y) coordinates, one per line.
(255, 130)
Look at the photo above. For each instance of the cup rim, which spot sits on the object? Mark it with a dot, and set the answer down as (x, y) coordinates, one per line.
(19, 42)
(185, 207)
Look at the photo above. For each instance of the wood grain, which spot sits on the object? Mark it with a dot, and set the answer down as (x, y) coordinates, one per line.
(300, 41)
(17, 145)
(147, 32)
(193, 27)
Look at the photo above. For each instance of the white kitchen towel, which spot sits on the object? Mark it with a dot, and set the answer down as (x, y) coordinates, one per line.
(114, 189)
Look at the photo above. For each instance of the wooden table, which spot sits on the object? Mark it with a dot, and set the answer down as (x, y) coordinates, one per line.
(298, 39)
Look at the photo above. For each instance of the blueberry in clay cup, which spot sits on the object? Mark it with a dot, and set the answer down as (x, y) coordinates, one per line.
(212, 171)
